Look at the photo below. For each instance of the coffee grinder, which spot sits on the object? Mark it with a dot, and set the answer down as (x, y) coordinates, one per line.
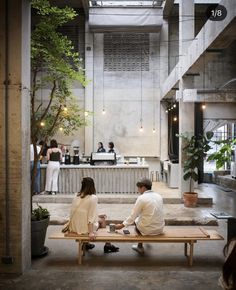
(76, 155)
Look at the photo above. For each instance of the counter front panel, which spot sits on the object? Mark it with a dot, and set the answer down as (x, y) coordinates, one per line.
(115, 179)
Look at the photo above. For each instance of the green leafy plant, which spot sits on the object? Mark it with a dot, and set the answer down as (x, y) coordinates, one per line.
(195, 149)
(223, 155)
(55, 66)
(39, 213)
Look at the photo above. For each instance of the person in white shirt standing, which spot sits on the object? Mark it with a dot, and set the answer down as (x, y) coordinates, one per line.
(54, 156)
(147, 213)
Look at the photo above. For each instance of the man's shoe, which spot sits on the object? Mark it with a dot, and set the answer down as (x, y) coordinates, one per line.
(138, 249)
(89, 246)
(110, 249)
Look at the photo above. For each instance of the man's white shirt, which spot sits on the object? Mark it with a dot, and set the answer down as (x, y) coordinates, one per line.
(147, 214)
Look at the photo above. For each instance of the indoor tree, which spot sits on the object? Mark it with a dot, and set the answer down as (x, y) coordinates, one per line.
(55, 65)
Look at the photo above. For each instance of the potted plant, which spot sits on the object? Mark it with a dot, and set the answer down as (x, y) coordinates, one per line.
(39, 223)
(194, 149)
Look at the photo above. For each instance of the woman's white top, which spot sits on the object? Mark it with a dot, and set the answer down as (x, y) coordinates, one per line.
(84, 211)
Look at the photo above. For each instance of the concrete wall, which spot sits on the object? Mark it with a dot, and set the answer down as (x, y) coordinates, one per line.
(122, 99)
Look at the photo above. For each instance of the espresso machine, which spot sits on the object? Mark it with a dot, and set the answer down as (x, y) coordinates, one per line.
(76, 155)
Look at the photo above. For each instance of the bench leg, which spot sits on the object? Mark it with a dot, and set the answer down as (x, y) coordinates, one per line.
(190, 256)
(80, 252)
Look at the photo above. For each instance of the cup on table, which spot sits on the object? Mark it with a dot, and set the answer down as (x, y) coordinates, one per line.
(112, 228)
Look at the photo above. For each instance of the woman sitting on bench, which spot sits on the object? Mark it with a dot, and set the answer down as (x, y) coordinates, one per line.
(84, 214)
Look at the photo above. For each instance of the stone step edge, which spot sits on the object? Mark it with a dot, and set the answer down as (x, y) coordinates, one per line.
(116, 200)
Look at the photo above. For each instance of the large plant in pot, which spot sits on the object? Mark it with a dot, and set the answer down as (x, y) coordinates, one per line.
(195, 149)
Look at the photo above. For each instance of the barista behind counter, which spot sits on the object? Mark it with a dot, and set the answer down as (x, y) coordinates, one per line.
(103, 158)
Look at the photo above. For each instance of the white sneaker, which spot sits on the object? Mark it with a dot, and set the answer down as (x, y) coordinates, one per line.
(138, 249)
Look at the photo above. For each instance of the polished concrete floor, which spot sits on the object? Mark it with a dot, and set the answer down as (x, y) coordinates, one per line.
(162, 267)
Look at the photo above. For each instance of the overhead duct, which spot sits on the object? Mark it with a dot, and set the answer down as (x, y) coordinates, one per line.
(128, 19)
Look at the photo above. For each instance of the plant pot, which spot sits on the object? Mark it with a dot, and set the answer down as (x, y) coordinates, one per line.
(190, 199)
(38, 234)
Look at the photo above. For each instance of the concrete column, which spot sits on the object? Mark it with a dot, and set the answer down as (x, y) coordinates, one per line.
(186, 124)
(89, 89)
(164, 52)
(186, 25)
(15, 196)
(186, 110)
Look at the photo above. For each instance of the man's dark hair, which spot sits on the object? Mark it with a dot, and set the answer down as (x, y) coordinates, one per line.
(145, 182)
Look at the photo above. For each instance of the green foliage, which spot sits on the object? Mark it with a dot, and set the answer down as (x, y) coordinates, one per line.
(55, 66)
(223, 155)
(39, 213)
(195, 150)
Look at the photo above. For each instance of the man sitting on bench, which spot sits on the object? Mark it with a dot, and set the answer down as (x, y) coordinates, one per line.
(147, 213)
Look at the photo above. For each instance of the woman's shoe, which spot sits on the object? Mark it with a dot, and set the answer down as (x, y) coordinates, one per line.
(89, 246)
(110, 249)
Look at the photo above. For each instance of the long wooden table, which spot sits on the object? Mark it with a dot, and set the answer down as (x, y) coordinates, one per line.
(172, 234)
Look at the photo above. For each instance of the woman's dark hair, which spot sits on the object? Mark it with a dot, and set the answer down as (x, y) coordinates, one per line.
(111, 145)
(53, 143)
(229, 267)
(100, 144)
(87, 187)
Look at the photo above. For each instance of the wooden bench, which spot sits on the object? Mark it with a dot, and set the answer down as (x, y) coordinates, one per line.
(172, 234)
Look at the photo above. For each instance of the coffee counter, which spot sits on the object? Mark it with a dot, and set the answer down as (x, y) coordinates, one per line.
(120, 178)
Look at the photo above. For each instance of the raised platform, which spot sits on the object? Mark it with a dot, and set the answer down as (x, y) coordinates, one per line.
(114, 198)
(227, 181)
(119, 206)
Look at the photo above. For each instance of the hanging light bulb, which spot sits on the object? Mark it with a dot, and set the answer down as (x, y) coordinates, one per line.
(42, 124)
(86, 114)
(61, 129)
(153, 130)
(103, 111)
(203, 106)
(166, 111)
(175, 119)
(65, 109)
(141, 129)
(174, 106)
